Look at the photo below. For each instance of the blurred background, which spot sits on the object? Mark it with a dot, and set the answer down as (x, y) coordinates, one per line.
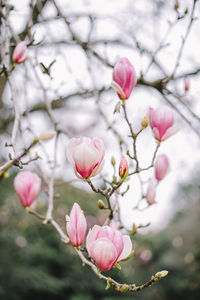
(65, 85)
(35, 264)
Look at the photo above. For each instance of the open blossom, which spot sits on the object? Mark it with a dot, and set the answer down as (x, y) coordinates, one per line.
(86, 155)
(161, 121)
(124, 78)
(161, 166)
(27, 186)
(20, 53)
(151, 192)
(76, 225)
(106, 245)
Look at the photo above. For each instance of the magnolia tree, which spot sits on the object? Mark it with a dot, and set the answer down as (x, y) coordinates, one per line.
(30, 86)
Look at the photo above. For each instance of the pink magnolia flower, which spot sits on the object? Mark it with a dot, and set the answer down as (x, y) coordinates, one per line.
(76, 225)
(161, 166)
(123, 166)
(151, 192)
(161, 121)
(124, 78)
(27, 186)
(106, 246)
(86, 155)
(20, 53)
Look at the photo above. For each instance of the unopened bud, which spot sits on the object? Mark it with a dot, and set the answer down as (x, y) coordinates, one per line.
(20, 53)
(176, 5)
(151, 192)
(123, 167)
(100, 203)
(124, 288)
(113, 161)
(187, 84)
(46, 136)
(145, 121)
(161, 274)
(115, 179)
(161, 166)
(134, 229)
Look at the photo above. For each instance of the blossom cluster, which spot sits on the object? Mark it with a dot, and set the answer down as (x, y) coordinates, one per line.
(106, 245)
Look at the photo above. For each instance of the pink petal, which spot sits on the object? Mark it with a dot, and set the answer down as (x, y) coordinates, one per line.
(113, 225)
(73, 143)
(114, 236)
(104, 253)
(127, 248)
(151, 192)
(151, 112)
(92, 236)
(99, 145)
(86, 158)
(118, 89)
(156, 133)
(81, 228)
(171, 131)
(161, 166)
(118, 242)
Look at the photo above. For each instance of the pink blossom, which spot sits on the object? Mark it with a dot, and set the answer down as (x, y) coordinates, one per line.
(161, 166)
(27, 186)
(20, 53)
(151, 192)
(76, 225)
(106, 246)
(124, 78)
(123, 166)
(161, 121)
(86, 155)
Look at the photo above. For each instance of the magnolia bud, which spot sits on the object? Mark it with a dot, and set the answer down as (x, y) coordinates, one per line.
(76, 225)
(151, 192)
(161, 274)
(113, 161)
(145, 121)
(124, 78)
(161, 166)
(161, 121)
(101, 204)
(115, 179)
(187, 84)
(27, 186)
(134, 229)
(46, 136)
(20, 53)
(86, 155)
(176, 5)
(123, 167)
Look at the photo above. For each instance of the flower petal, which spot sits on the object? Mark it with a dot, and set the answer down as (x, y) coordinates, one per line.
(127, 248)
(104, 253)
